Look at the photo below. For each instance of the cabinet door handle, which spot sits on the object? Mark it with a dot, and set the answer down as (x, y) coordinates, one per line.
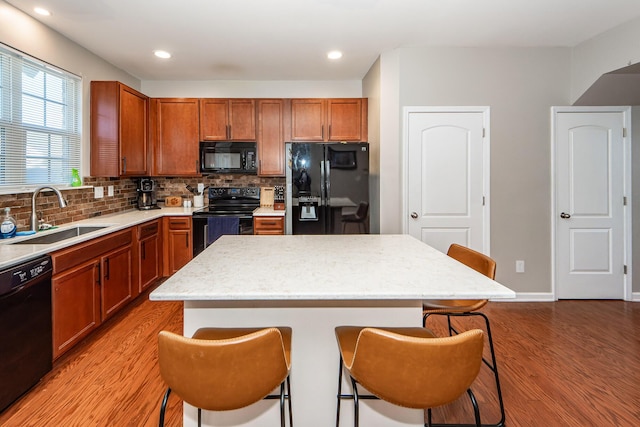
(124, 165)
(322, 133)
(186, 238)
(269, 223)
(106, 265)
(144, 252)
(99, 276)
(205, 235)
(228, 131)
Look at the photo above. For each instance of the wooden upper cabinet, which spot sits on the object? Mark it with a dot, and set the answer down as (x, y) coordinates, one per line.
(308, 117)
(271, 140)
(347, 119)
(119, 130)
(174, 123)
(339, 119)
(227, 119)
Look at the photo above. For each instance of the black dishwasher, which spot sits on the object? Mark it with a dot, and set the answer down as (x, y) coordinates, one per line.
(25, 327)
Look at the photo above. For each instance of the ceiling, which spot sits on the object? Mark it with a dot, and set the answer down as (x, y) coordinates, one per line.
(289, 39)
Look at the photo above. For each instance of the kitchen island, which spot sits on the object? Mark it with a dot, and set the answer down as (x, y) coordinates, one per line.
(313, 284)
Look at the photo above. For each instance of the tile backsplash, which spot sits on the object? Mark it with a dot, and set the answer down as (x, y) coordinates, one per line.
(82, 204)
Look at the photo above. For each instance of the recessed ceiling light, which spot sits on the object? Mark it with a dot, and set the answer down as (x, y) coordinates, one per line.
(334, 54)
(162, 54)
(42, 11)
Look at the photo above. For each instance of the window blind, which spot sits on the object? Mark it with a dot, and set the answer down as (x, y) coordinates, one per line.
(40, 122)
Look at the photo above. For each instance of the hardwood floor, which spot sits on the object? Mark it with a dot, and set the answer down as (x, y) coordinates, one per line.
(110, 379)
(569, 363)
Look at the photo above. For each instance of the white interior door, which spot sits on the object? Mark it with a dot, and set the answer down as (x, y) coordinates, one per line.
(589, 212)
(448, 176)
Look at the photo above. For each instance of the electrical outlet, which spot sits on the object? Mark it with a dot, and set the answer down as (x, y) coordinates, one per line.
(98, 192)
(110, 191)
(519, 266)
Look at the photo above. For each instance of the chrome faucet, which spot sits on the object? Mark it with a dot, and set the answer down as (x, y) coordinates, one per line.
(34, 215)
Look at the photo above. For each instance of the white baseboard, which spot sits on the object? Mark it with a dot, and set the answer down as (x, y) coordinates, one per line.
(530, 297)
(546, 297)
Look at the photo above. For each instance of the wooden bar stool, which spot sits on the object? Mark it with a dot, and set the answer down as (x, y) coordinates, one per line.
(221, 369)
(408, 367)
(461, 308)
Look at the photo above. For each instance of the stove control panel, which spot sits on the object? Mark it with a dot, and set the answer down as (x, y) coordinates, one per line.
(234, 192)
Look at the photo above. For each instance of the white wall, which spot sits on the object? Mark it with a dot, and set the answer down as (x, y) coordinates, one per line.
(520, 85)
(371, 91)
(19, 31)
(606, 52)
(252, 89)
(390, 150)
(609, 51)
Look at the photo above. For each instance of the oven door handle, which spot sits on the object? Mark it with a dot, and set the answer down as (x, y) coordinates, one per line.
(205, 234)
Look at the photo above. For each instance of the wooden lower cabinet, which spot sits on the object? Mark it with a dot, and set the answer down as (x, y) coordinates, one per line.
(268, 225)
(115, 284)
(148, 255)
(76, 305)
(91, 282)
(177, 243)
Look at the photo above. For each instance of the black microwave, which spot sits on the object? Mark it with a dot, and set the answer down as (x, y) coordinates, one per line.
(228, 157)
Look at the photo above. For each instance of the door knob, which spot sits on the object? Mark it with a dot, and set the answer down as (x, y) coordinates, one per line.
(565, 215)
(414, 215)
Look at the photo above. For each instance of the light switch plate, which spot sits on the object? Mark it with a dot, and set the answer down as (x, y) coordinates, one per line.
(110, 191)
(98, 192)
(519, 266)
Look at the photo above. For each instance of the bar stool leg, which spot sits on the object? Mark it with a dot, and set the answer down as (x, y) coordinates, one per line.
(492, 366)
(339, 393)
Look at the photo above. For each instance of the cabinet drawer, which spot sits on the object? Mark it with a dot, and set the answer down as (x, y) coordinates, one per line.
(179, 223)
(82, 252)
(148, 229)
(271, 225)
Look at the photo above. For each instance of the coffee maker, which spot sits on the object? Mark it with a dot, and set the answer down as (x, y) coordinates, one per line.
(147, 194)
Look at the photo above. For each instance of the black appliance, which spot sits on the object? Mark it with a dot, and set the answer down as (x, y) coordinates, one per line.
(328, 182)
(146, 194)
(26, 352)
(225, 202)
(228, 157)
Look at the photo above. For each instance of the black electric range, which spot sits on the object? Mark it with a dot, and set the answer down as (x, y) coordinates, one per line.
(237, 202)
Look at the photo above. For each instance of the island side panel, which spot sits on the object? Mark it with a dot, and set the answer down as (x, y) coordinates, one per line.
(315, 357)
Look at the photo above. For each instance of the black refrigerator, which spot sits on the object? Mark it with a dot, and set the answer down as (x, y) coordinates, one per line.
(328, 188)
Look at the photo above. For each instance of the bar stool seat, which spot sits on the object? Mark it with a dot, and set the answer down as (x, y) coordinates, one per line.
(408, 367)
(221, 369)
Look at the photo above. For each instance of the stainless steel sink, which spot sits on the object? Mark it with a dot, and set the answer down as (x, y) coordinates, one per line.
(57, 236)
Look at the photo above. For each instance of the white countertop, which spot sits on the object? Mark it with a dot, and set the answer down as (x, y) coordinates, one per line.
(328, 267)
(268, 211)
(12, 254)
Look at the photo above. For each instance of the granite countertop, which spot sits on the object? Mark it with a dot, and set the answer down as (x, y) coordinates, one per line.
(268, 211)
(328, 267)
(12, 254)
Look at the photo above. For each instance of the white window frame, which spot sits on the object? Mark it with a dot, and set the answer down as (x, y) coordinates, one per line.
(15, 174)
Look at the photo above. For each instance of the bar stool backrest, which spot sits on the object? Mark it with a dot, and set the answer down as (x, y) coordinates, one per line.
(224, 374)
(473, 259)
(416, 372)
